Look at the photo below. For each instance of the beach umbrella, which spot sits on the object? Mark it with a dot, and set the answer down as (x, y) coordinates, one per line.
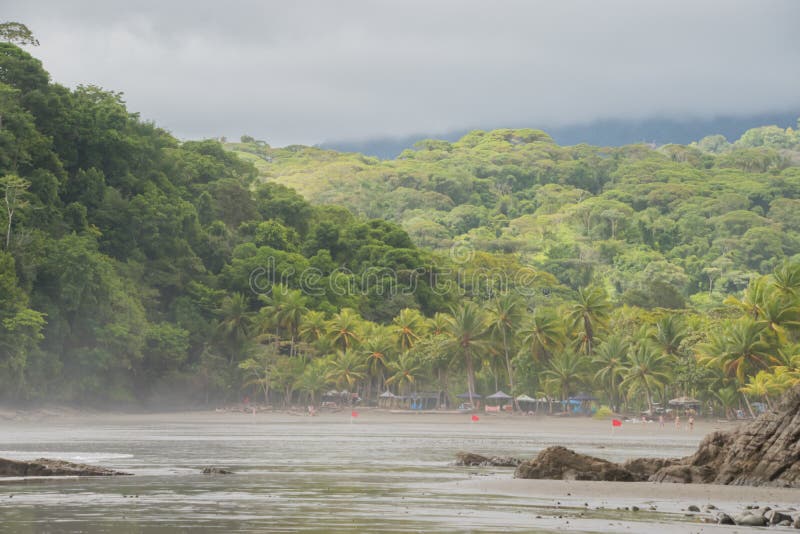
(525, 398)
(466, 396)
(387, 395)
(499, 395)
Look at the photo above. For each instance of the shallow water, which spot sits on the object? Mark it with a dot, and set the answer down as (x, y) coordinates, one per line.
(321, 474)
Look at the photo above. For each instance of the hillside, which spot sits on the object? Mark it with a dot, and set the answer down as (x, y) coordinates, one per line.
(704, 217)
(137, 269)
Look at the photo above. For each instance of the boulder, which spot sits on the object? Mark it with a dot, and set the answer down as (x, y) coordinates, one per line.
(764, 452)
(44, 467)
(560, 463)
(750, 520)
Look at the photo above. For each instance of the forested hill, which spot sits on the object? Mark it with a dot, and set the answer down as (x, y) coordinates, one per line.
(137, 268)
(126, 255)
(654, 225)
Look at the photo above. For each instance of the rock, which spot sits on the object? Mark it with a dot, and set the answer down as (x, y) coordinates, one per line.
(646, 467)
(764, 452)
(796, 523)
(725, 519)
(44, 467)
(216, 471)
(709, 507)
(560, 463)
(476, 460)
(693, 508)
(750, 520)
(775, 517)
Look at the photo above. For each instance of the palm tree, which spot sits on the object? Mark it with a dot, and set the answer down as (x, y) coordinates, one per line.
(467, 330)
(234, 327)
(588, 314)
(786, 279)
(669, 333)
(505, 314)
(404, 371)
(313, 326)
(313, 380)
(610, 359)
(346, 368)
(752, 302)
(648, 370)
(542, 335)
(565, 373)
(344, 327)
(409, 326)
(437, 325)
(738, 349)
(285, 310)
(376, 347)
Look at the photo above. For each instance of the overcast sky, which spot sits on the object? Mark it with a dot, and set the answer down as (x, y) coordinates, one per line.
(305, 72)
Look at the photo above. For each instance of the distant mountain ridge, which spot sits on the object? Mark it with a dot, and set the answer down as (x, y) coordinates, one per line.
(603, 132)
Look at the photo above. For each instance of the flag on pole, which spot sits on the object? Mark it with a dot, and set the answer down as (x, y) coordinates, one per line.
(616, 422)
(354, 414)
(475, 418)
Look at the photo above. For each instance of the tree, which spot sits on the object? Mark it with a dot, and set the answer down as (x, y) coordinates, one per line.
(565, 373)
(17, 33)
(346, 369)
(409, 326)
(542, 335)
(404, 371)
(588, 314)
(647, 370)
(610, 361)
(504, 316)
(344, 328)
(14, 189)
(467, 331)
(235, 323)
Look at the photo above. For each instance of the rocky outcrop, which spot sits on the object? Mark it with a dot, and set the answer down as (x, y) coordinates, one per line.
(476, 460)
(560, 463)
(44, 467)
(765, 452)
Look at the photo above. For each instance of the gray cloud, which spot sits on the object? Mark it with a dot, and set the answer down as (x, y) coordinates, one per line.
(309, 71)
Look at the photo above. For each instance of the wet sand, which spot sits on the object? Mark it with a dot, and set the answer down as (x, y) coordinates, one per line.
(336, 473)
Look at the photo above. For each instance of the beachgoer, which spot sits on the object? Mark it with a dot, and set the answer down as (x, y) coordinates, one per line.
(691, 423)
(661, 421)
(678, 422)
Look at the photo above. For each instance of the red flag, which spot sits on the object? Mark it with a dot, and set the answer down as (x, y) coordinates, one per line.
(354, 414)
(475, 418)
(616, 422)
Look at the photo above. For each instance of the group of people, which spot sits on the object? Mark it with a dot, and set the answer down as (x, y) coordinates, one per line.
(678, 424)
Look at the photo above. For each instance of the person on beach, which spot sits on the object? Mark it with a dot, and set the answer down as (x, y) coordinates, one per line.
(691, 423)
(661, 421)
(678, 422)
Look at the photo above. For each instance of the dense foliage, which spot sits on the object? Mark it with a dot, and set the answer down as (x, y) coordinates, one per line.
(134, 267)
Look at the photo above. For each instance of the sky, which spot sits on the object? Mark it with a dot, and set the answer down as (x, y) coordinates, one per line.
(310, 71)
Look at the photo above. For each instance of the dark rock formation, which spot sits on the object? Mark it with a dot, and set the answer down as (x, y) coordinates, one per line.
(216, 471)
(44, 467)
(476, 460)
(560, 463)
(765, 452)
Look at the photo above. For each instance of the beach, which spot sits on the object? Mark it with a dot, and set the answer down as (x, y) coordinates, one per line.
(377, 471)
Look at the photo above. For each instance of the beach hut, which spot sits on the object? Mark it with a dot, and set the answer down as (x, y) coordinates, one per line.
(498, 400)
(474, 399)
(582, 402)
(526, 403)
(685, 403)
(386, 399)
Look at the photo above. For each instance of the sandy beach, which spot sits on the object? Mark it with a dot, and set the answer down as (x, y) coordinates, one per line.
(294, 469)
